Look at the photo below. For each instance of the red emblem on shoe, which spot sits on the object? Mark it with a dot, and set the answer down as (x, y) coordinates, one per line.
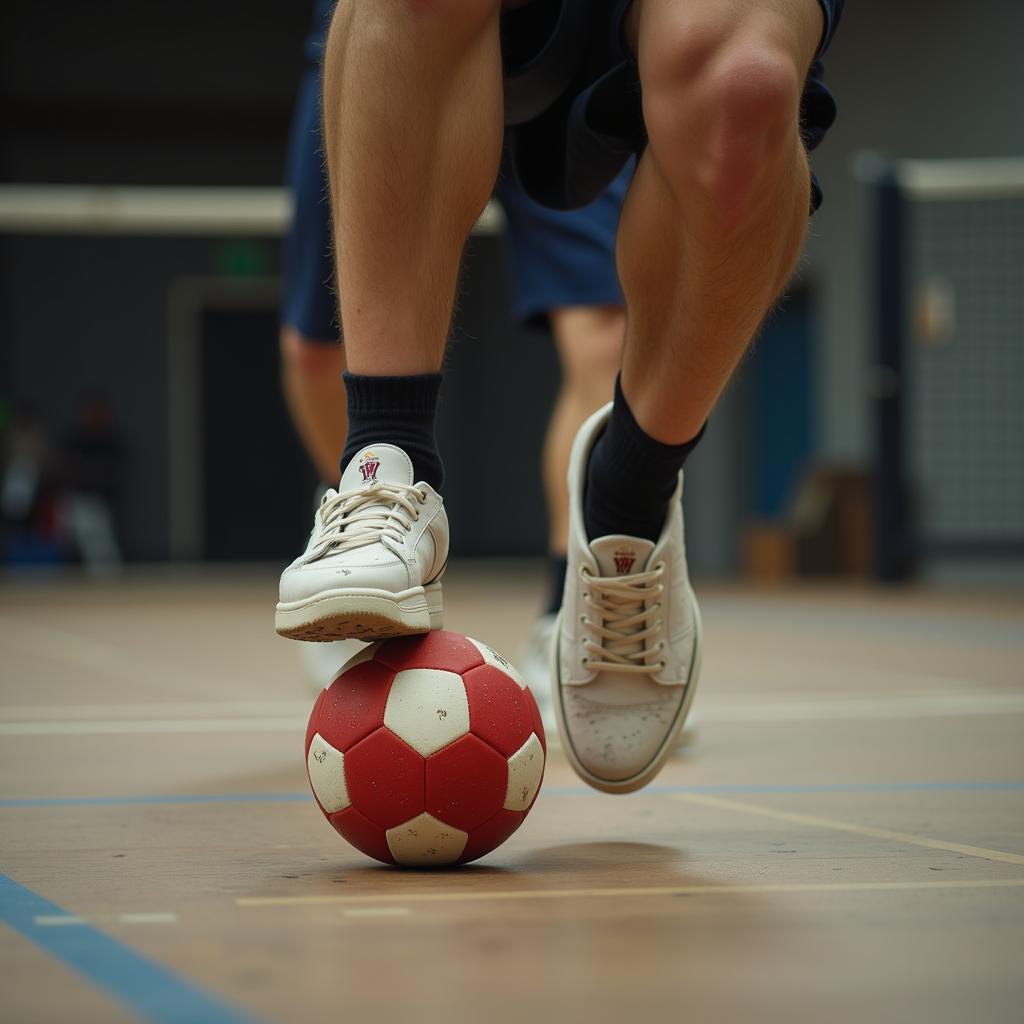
(368, 466)
(624, 562)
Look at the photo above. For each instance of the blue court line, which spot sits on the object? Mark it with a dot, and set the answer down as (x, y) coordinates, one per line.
(1012, 785)
(153, 992)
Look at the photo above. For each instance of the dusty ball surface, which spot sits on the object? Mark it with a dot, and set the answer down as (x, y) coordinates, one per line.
(426, 750)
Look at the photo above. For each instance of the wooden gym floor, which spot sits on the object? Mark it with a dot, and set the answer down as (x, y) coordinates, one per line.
(843, 838)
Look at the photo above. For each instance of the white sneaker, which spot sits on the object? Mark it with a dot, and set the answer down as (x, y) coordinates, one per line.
(535, 666)
(373, 564)
(626, 656)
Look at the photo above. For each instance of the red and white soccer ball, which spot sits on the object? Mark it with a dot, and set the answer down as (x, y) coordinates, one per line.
(426, 750)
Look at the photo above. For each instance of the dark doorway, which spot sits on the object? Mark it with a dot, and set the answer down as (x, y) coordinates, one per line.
(257, 482)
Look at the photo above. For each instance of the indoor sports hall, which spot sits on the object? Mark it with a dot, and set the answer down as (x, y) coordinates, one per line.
(838, 832)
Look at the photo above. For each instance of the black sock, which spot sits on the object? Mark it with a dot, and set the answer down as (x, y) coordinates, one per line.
(556, 583)
(398, 411)
(631, 477)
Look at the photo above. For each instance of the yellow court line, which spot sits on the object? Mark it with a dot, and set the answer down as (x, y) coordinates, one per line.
(848, 826)
(665, 890)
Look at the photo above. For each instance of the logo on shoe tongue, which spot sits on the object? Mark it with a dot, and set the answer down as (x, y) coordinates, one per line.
(368, 466)
(624, 561)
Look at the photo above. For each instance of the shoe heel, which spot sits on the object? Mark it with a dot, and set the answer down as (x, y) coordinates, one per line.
(435, 604)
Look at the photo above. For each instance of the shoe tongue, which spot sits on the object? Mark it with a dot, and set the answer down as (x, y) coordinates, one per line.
(619, 555)
(377, 464)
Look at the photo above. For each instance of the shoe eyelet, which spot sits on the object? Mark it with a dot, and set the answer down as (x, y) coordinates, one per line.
(661, 666)
(583, 620)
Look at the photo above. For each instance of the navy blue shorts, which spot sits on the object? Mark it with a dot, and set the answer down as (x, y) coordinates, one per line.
(555, 258)
(307, 295)
(575, 127)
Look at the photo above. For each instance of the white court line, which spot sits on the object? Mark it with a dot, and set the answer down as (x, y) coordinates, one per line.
(64, 920)
(913, 684)
(853, 709)
(935, 705)
(287, 716)
(807, 706)
(376, 912)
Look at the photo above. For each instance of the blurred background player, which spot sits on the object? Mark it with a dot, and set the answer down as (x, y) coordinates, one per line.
(563, 271)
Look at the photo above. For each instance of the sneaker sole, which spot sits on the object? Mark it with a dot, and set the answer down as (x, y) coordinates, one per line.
(362, 614)
(641, 779)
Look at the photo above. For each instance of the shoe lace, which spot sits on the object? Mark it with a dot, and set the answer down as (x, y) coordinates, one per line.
(367, 515)
(625, 621)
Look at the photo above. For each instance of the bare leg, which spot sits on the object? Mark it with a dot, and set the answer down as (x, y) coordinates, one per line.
(716, 215)
(589, 341)
(413, 128)
(709, 234)
(311, 378)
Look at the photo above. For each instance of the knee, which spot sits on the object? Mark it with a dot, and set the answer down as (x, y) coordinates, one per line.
(723, 112)
(309, 359)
